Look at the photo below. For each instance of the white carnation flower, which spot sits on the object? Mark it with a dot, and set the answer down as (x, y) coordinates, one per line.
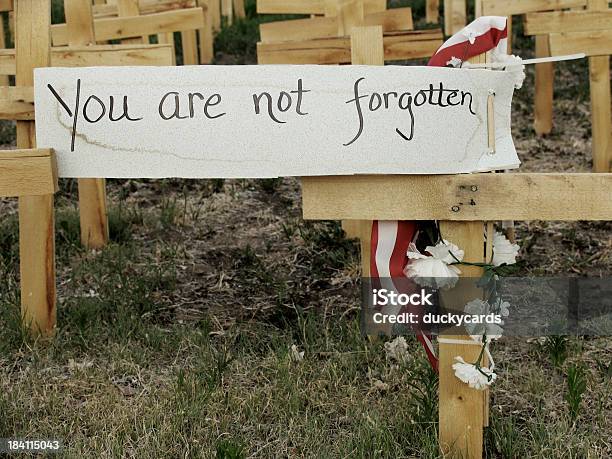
(475, 378)
(435, 270)
(295, 354)
(477, 330)
(504, 252)
(397, 349)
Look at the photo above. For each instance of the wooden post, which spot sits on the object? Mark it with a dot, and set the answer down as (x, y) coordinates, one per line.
(599, 78)
(92, 191)
(432, 8)
(544, 76)
(226, 10)
(366, 49)
(205, 34)
(130, 8)
(462, 410)
(454, 16)
(239, 9)
(36, 217)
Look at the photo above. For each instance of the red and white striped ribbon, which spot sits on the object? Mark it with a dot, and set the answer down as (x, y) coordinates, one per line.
(390, 239)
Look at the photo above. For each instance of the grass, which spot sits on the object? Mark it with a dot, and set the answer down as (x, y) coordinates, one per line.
(174, 340)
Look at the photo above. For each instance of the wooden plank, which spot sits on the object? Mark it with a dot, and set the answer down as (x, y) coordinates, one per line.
(567, 21)
(367, 46)
(509, 8)
(544, 77)
(432, 10)
(309, 6)
(397, 46)
(129, 8)
(6, 5)
(36, 216)
(226, 10)
(601, 112)
(239, 10)
(168, 39)
(597, 43)
(189, 45)
(30, 172)
(145, 7)
(366, 49)
(92, 191)
(528, 196)
(137, 26)
(100, 55)
(327, 27)
(205, 35)
(17, 103)
(215, 14)
(455, 16)
(461, 408)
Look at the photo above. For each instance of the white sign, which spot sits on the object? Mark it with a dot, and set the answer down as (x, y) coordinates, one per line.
(270, 121)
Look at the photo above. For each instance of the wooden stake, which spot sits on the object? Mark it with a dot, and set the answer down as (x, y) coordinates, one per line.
(366, 49)
(544, 76)
(599, 77)
(36, 215)
(239, 9)
(432, 8)
(126, 8)
(92, 191)
(205, 34)
(454, 16)
(463, 411)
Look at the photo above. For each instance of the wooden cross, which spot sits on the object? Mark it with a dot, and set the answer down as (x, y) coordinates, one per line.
(588, 31)
(465, 205)
(31, 175)
(325, 40)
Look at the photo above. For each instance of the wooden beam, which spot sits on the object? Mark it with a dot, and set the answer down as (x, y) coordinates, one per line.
(567, 21)
(455, 16)
(17, 103)
(327, 27)
(99, 55)
(137, 26)
(596, 43)
(528, 196)
(310, 6)
(509, 8)
(6, 5)
(30, 172)
(36, 214)
(432, 11)
(544, 77)
(397, 46)
(92, 191)
(145, 7)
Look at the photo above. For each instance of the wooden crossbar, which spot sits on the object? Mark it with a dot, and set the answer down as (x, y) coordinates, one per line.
(513, 7)
(520, 196)
(6, 5)
(100, 55)
(595, 43)
(136, 26)
(327, 27)
(567, 21)
(17, 103)
(397, 46)
(310, 6)
(28, 172)
(146, 7)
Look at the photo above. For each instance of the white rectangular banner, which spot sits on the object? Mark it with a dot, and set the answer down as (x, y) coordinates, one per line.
(272, 120)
